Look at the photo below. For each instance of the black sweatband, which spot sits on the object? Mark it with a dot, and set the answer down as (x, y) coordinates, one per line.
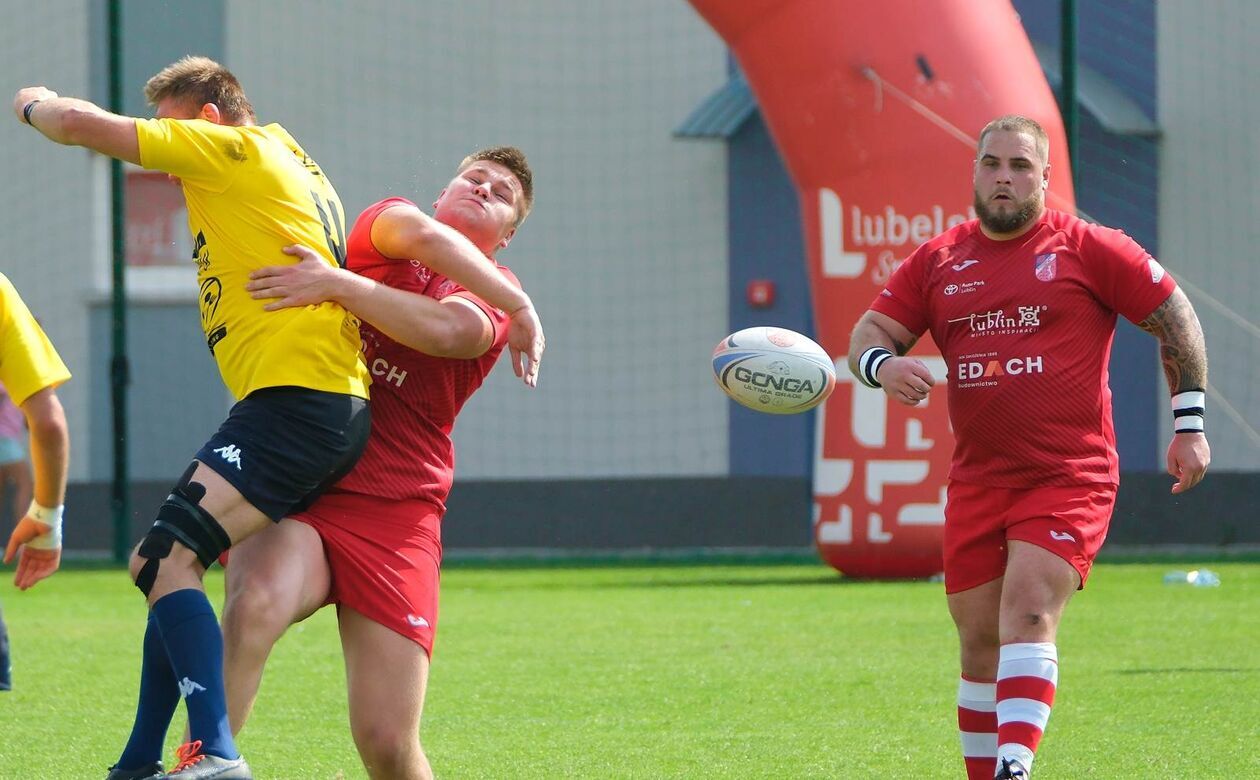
(27, 109)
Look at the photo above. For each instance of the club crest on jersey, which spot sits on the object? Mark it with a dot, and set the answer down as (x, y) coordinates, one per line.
(1045, 266)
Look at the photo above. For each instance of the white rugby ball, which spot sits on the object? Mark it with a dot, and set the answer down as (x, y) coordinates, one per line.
(773, 370)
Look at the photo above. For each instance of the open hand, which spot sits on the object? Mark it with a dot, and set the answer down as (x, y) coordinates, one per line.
(33, 564)
(526, 343)
(309, 281)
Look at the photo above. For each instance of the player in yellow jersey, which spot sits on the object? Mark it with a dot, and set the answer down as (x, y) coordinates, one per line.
(31, 370)
(301, 418)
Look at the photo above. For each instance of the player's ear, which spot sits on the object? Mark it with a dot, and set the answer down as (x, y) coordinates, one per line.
(1045, 177)
(438, 199)
(507, 239)
(210, 112)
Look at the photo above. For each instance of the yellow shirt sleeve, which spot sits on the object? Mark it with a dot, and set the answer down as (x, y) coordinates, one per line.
(28, 361)
(200, 153)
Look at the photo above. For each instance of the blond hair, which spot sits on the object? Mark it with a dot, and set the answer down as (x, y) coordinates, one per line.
(1014, 123)
(201, 80)
(514, 160)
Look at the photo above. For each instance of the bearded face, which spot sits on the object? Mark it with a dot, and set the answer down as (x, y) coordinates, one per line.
(1004, 214)
(1009, 182)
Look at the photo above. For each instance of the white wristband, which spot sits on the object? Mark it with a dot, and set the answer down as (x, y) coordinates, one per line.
(869, 363)
(1188, 409)
(51, 517)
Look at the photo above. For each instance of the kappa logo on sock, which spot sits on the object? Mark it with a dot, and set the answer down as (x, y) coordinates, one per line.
(188, 687)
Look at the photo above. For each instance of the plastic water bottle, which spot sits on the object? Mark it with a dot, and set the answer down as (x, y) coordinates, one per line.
(1198, 578)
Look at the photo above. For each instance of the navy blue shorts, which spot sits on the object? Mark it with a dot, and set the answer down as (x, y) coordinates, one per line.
(281, 447)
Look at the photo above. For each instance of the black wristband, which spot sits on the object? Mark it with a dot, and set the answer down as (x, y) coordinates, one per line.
(27, 109)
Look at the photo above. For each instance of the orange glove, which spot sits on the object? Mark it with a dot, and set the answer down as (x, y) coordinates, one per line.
(33, 564)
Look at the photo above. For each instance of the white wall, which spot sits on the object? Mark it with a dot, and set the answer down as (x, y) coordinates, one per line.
(625, 253)
(54, 229)
(1209, 79)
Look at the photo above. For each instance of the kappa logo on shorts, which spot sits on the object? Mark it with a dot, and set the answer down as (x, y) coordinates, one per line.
(418, 622)
(230, 453)
(1062, 536)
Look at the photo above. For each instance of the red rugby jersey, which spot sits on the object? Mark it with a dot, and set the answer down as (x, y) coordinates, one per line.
(414, 396)
(1025, 327)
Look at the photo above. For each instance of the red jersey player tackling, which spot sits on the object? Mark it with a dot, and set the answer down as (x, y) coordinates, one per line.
(372, 544)
(1022, 303)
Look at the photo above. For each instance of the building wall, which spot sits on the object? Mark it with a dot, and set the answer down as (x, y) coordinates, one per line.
(625, 253)
(1209, 75)
(767, 242)
(53, 224)
(1117, 184)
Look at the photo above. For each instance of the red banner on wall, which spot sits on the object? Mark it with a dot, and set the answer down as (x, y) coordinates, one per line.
(875, 109)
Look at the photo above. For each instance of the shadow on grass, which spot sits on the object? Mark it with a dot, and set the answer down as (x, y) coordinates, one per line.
(660, 583)
(1188, 670)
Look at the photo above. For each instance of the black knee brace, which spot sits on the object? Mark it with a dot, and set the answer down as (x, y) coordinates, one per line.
(181, 519)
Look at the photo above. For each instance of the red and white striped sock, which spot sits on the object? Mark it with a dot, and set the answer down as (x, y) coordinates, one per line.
(977, 726)
(1028, 673)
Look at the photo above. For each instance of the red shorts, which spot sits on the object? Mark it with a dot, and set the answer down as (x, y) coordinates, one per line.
(384, 555)
(1068, 520)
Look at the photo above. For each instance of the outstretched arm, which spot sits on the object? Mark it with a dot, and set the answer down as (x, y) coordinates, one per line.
(876, 358)
(77, 122)
(1184, 356)
(50, 456)
(407, 233)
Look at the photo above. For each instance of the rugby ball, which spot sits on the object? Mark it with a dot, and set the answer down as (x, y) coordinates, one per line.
(773, 370)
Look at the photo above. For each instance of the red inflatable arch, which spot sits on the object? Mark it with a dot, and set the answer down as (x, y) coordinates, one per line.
(875, 107)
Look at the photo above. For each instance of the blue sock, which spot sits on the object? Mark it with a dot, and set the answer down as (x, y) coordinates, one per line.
(159, 695)
(194, 644)
(5, 681)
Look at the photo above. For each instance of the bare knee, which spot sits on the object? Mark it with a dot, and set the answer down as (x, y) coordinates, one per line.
(389, 750)
(1029, 625)
(253, 610)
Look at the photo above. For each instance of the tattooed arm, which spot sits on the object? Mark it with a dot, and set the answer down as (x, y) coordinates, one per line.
(906, 380)
(1181, 347)
(1184, 356)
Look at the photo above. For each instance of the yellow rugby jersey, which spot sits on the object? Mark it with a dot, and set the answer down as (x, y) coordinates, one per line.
(250, 192)
(28, 361)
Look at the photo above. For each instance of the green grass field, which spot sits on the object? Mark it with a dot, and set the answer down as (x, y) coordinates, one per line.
(674, 671)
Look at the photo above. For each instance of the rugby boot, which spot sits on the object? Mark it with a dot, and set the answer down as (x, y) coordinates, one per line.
(1012, 769)
(147, 772)
(195, 765)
